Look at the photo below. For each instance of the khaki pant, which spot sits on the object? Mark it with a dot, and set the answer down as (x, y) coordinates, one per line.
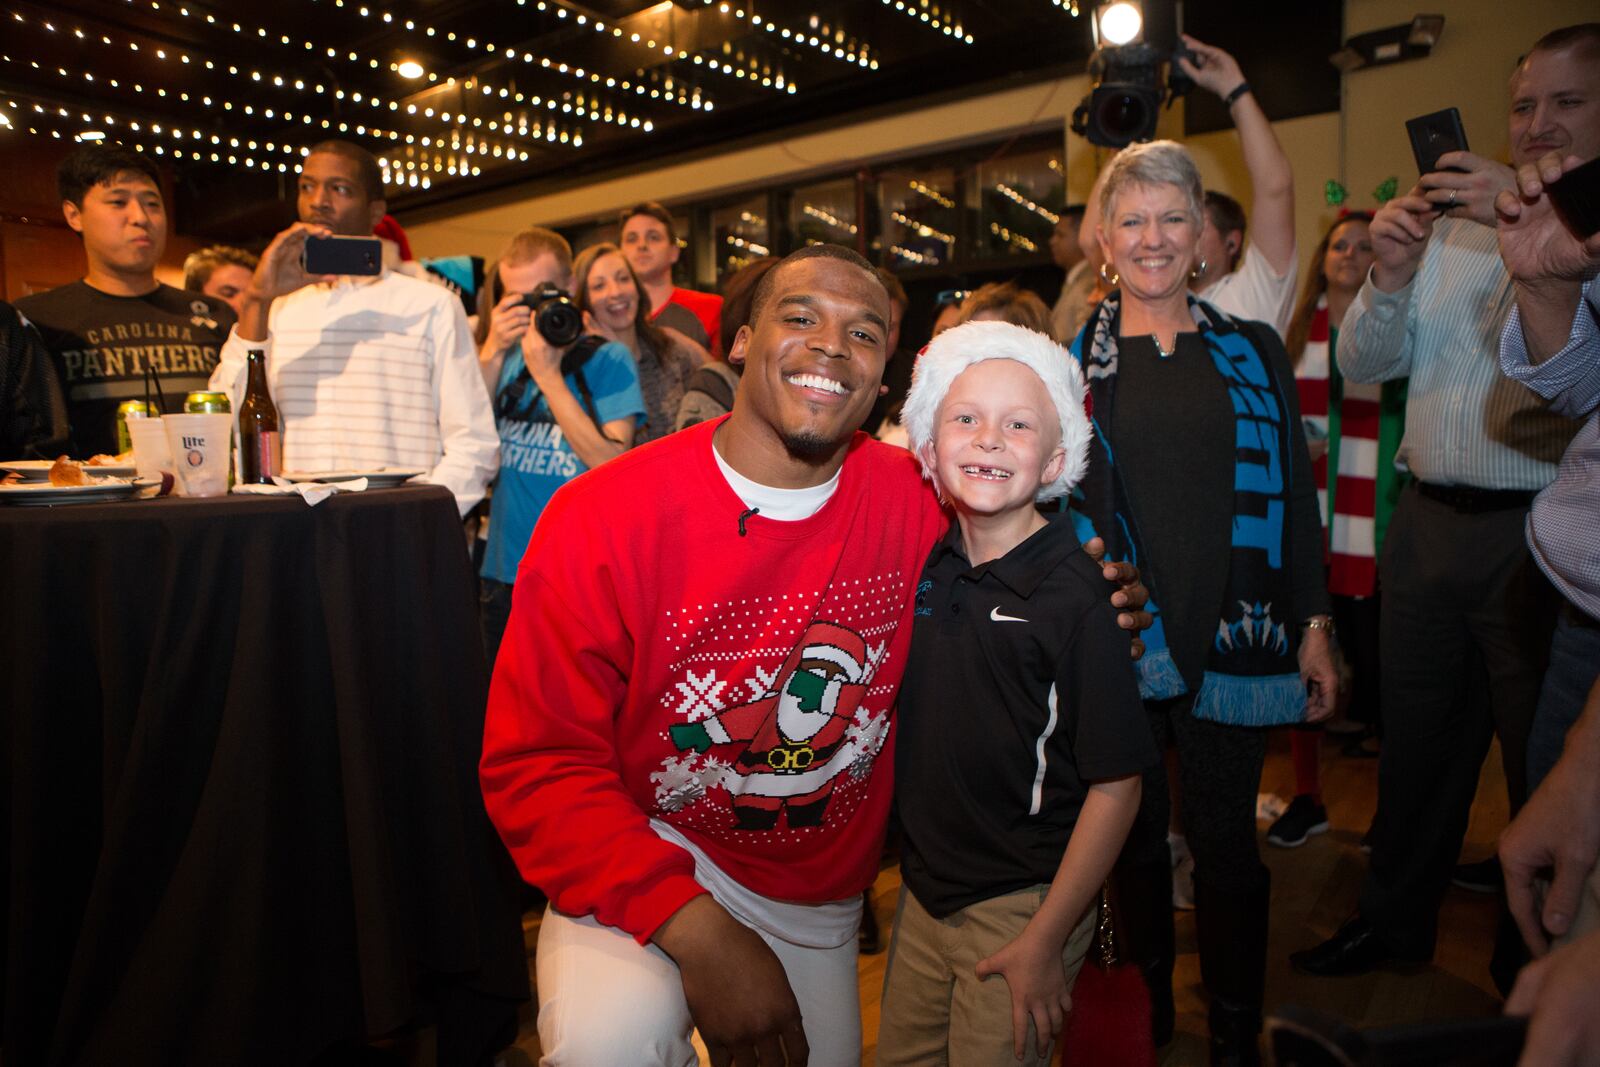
(935, 1008)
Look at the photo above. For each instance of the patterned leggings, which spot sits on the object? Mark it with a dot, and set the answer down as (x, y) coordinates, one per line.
(1220, 773)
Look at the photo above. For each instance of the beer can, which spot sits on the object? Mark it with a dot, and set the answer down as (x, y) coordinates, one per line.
(129, 409)
(204, 402)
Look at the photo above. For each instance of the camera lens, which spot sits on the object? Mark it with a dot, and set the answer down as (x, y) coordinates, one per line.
(558, 320)
(1124, 116)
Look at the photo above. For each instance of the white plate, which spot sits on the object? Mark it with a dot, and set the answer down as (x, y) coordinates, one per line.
(37, 494)
(382, 478)
(38, 470)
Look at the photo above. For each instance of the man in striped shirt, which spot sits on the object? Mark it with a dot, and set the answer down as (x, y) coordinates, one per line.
(1466, 615)
(367, 372)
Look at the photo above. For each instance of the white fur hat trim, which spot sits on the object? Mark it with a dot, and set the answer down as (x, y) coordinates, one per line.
(973, 342)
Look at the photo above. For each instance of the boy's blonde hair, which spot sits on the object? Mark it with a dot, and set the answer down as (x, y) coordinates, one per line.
(973, 342)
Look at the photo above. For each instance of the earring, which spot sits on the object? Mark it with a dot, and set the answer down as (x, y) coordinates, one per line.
(1110, 280)
(1200, 268)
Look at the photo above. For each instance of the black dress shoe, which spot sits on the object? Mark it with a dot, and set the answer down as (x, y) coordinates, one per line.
(1355, 949)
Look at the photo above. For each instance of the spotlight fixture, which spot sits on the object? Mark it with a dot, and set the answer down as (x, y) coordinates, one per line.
(1118, 23)
(409, 69)
(1392, 44)
(92, 135)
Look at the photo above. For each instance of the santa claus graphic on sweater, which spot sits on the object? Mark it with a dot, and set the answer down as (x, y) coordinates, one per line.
(795, 737)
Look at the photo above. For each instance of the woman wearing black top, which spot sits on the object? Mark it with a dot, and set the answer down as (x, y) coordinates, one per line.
(1201, 477)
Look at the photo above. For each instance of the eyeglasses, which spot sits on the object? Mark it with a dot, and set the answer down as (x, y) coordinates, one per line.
(945, 297)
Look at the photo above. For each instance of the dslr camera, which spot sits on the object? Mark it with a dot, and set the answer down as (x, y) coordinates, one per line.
(1128, 90)
(555, 316)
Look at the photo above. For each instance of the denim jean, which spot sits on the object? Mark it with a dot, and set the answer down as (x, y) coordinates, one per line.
(494, 610)
(1574, 666)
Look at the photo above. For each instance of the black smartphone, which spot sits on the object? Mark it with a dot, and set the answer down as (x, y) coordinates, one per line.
(1434, 135)
(1576, 196)
(342, 255)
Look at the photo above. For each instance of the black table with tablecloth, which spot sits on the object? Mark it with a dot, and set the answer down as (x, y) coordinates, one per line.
(240, 764)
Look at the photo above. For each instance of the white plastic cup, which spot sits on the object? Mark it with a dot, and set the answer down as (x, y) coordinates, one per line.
(200, 451)
(151, 454)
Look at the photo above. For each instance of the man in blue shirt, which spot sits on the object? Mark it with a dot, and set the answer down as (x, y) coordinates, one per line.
(1551, 344)
(560, 411)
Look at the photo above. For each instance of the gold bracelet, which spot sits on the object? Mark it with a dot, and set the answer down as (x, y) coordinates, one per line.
(1319, 622)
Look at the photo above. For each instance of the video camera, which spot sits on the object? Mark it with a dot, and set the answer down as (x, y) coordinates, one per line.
(1128, 90)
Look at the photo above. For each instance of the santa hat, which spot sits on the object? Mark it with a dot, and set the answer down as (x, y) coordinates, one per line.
(958, 348)
(389, 229)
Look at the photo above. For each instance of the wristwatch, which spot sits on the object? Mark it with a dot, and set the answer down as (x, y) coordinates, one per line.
(1320, 622)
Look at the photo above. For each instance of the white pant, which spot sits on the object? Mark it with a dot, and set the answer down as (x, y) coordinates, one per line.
(607, 1001)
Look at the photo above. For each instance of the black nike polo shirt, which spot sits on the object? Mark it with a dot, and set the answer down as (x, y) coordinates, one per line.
(1019, 693)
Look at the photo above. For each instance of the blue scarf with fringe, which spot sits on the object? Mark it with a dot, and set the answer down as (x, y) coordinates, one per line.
(1252, 675)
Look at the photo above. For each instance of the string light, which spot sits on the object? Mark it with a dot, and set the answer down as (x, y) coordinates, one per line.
(451, 120)
(931, 193)
(911, 256)
(1016, 240)
(818, 36)
(749, 246)
(1069, 6)
(930, 15)
(1011, 194)
(922, 229)
(827, 218)
(511, 54)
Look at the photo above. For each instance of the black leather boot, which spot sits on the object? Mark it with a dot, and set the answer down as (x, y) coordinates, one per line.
(1145, 936)
(1231, 928)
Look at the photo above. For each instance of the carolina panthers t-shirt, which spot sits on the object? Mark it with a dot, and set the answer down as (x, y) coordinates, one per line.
(102, 346)
(535, 458)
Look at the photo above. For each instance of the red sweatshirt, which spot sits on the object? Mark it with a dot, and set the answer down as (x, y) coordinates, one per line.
(660, 663)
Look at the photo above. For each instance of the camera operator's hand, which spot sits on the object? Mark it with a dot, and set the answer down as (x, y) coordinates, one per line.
(278, 273)
(508, 321)
(1400, 232)
(543, 359)
(1218, 72)
(1467, 190)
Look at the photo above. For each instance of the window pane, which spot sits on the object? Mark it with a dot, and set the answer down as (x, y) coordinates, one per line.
(919, 218)
(742, 234)
(1019, 197)
(825, 213)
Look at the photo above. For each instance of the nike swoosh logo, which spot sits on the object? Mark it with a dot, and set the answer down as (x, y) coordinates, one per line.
(995, 616)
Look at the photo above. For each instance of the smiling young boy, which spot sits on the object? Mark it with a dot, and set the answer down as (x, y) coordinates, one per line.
(1021, 732)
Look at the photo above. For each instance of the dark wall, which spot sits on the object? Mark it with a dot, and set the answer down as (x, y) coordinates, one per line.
(1283, 49)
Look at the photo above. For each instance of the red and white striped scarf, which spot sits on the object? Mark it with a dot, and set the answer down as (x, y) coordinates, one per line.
(1349, 524)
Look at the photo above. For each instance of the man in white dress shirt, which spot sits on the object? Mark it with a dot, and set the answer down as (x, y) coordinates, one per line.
(366, 372)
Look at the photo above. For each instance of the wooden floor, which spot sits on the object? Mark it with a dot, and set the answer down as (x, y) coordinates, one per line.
(1314, 888)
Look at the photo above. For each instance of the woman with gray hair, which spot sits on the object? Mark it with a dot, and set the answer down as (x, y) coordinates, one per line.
(1210, 494)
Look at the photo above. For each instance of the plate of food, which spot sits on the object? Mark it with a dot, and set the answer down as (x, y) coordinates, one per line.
(381, 478)
(67, 482)
(38, 470)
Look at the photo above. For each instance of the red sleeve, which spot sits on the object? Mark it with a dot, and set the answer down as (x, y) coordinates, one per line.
(549, 771)
(707, 307)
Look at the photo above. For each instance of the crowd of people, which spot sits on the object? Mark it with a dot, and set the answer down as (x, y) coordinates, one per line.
(1047, 607)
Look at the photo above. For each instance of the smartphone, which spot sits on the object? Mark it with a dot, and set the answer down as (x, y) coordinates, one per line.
(1434, 135)
(1576, 196)
(342, 255)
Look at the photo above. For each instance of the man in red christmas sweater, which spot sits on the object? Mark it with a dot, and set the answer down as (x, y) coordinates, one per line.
(688, 741)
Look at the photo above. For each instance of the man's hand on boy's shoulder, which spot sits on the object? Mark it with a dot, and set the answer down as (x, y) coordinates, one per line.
(1130, 596)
